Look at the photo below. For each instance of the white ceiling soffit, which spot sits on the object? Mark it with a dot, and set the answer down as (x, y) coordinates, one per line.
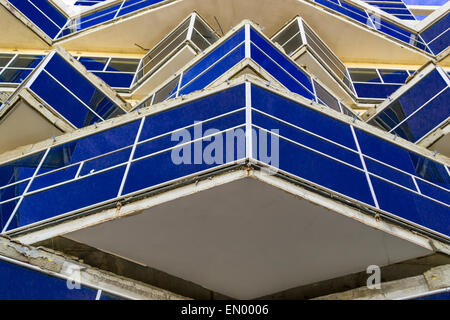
(247, 238)
(150, 26)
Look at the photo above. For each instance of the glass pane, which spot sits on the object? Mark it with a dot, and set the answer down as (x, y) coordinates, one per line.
(281, 60)
(94, 18)
(440, 43)
(198, 110)
(69, 197)
(292, 45)
(164, 49)
(281, 75)
(42, 13)
(364, 75)
(64, 156)
(19, 169)
(123, 65)
(134, 5)
(92, 63)
(323, 171)
(321, 49)
(82, 88)
(215, 71)
(157, 56)
(306, 139)
(213, 57)
(394, 76)
(287, 33)
(139, 177)
(422, 92)
(411, 206)
(62, 101)
(332, 4)
(205, 31)
(14, 75)
(303, 117)
(166, 41)
(26, 61)
(5, 58)
(375, 90)
(326, 98)
(116, 80)
(426, 119)
(199, 40)
(436, 29)
(166, 141)
(166, 91)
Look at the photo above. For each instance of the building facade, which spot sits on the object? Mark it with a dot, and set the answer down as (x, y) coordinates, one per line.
(206, 149)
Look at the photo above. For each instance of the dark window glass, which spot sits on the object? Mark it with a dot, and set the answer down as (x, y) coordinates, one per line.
(14, 75)
(302, 116)
(364, 75)
(323, 171)
(436, 29)
(281, 75)
(402, 159)
(290, 67)
(205, 31)
(116, 80)
(213, 57)
(5, 58)
(433, 191)
(375, 90)
(440, 43)
(81, 87)
(134, 5)
(390, 117)
(326, 98)
(123, 65)
(92, 63)
(199, 40)
(19, 169)
(349, 11)
(106, 296)
(292, 45)
(68, 197)
(43, 13)
(394, 76)
(62, 101)
(198, 110)
(215, 71)
(166, 141)
(411, 206)
(26, 61)
(59, 163)
(139, 177)
(426, 119)
(422, 92)
(287, 33)
(166, 91)
(306, 139)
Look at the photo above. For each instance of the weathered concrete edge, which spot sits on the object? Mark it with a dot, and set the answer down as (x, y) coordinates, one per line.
(61, 266)
(435, 280)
